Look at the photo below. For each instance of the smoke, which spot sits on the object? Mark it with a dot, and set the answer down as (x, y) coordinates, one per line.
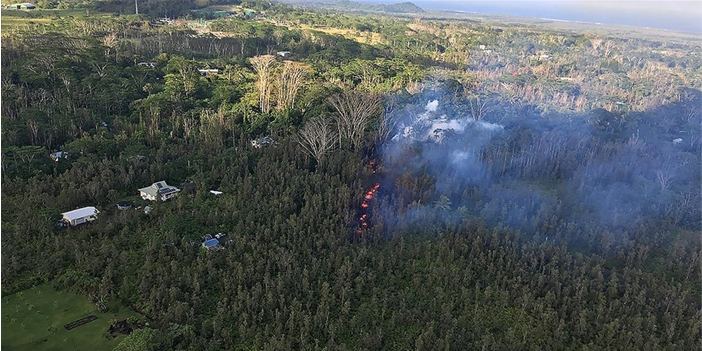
(430, 126)
(595, 169)
(432, 105)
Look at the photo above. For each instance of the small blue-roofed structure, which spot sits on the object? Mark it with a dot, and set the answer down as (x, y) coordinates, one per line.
(56, 156)
(210, 244)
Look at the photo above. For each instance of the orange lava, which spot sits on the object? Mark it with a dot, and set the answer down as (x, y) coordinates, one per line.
(369, 194)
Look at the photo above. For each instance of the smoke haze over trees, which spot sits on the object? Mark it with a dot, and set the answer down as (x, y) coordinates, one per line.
(600, 169)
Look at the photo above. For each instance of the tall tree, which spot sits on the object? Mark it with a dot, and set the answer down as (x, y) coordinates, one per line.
(263, 65)
(354, 110)
(387, 122)
(291, 79)
(317, 138)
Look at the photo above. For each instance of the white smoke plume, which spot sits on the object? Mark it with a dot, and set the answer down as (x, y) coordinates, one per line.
(430, 126)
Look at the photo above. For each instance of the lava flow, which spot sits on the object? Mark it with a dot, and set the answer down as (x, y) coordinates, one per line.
(363, 219)
(364, 215)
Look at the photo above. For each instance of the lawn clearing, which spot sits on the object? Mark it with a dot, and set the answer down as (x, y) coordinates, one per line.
(12, 19)
(359, 36)
(34, 319)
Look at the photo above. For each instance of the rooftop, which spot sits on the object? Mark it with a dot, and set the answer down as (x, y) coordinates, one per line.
(210, 243)
(81, 212)
(161, 188)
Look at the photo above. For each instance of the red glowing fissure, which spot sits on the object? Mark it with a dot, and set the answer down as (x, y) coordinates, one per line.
(369, 194)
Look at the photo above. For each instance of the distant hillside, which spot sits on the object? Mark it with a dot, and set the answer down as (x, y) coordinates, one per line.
(404, 7)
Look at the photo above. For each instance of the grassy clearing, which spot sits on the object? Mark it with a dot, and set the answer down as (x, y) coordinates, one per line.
(33, 319)
(14, 18)
(361, 37)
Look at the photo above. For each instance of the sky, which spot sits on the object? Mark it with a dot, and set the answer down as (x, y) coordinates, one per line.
(684, 16)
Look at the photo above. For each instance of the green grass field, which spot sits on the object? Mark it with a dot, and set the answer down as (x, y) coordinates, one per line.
(14, 18)
(33, 319)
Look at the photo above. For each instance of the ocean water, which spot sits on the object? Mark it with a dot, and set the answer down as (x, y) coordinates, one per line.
(682, 16)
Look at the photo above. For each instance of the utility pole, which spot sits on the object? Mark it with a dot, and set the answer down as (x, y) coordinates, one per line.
(136, 5)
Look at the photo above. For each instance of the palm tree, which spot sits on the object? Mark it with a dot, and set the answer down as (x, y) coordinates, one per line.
(443, 204)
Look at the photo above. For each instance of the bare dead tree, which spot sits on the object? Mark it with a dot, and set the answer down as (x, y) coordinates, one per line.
(189, 125)
(317, 138)
(690, 113)
(609, 46)
(354, 111)
(33, 127)
(291, 79)
(154, 121)
(110, 41)
(387, 123)
(665, 177)
(635, 141)
(211, 129)
(478, 108)
(263, 65)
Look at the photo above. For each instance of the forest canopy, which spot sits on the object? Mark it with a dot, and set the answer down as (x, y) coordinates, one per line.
(383, 182)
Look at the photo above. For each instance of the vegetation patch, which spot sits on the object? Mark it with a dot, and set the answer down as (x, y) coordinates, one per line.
(42, 318)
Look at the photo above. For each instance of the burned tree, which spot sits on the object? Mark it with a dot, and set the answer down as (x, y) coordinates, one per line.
(263, 65)
(478, 108)
(212, 129)
(354, 111)
(316, 138)
(387, 122)
(291, 79)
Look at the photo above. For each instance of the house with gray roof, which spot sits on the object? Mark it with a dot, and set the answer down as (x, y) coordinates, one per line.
(80, 216)
(159, 190)
(21, 6)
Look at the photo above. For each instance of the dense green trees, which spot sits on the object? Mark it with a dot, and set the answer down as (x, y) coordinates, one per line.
(448, 263)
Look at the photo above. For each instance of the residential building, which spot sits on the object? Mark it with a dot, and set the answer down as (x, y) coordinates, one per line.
(159, 190)
(81, 215)
(204, 72)
(22, 6)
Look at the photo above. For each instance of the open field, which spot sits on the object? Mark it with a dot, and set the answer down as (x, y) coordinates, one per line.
(359, 36)
(34, 319)
(15, 18)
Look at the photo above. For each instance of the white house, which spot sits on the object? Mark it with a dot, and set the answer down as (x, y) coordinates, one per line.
(284, 53)
(81, 215)
(204, 72)
(161, 189)
(22, 6)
